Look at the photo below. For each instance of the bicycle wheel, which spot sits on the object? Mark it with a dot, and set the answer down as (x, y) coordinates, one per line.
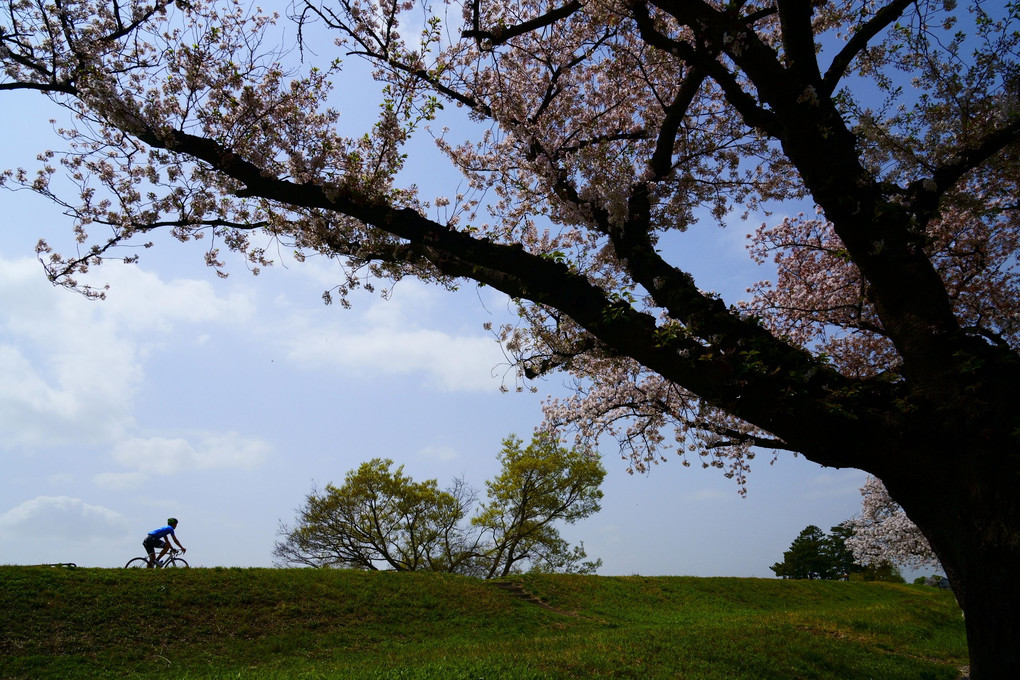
(137, 563)
(175, 562)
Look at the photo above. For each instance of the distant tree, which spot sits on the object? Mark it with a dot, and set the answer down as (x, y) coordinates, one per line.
(539, 486)
(814, 554)
(380, 518)
(838, 552)
(882, 532)
(807, 556)
(882, 571)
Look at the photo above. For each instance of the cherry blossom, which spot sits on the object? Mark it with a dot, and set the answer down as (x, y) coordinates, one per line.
(883, 533)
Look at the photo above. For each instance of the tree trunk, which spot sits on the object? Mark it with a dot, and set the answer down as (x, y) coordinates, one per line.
(969, 508)
(993, 619)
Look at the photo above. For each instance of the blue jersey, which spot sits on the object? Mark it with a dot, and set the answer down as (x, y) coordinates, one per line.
(163, 531)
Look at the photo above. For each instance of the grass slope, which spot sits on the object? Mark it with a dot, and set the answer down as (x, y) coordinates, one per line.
(268, 624)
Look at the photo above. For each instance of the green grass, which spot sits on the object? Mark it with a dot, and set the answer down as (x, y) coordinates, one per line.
(268, 624)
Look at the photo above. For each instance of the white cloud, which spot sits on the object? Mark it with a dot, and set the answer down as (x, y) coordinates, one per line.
(61, 518)
(28, 404)
(418, 330)
(162, 456)
(448, 362)
(398, 337)
(63, 367)
(141, 302)
(69, 367)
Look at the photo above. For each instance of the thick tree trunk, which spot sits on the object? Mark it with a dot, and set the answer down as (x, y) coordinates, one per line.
(993, 618)
(967, 503)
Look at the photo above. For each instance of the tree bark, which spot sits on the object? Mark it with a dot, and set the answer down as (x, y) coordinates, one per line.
(977, 546)
(993, 620)
(965, 500)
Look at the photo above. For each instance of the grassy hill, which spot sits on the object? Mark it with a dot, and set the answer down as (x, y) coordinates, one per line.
(269, 624)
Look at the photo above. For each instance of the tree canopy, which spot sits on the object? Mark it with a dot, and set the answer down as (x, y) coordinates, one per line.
(817, 555)
(380, 518)
(538, 486)
(877, 141)
(806, 557)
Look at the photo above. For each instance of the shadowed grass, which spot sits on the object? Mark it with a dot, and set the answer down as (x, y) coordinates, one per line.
(266, 624)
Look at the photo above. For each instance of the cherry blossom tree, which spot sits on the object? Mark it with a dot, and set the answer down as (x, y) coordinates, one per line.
(882, 532)
(878, 138)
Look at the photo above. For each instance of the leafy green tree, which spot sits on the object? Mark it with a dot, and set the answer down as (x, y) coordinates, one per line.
(379, 516)
(806, 557)
(840, 556)
(882, 571)
(539, 485)
(459, 548)
(815, 554)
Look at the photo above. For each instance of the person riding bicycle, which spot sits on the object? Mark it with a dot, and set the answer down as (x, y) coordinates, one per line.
(155, 540)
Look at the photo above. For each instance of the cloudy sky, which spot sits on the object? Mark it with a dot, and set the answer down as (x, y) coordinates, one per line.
(222, 402)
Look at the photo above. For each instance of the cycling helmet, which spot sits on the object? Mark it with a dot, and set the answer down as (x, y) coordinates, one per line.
(171, 520)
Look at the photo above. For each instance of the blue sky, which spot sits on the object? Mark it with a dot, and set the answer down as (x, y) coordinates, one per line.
(221, 402)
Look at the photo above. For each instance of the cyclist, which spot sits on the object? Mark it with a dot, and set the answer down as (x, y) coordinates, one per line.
(155, 540)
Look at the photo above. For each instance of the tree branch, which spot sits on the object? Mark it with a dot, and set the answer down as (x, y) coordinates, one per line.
(859, 42)
(501, 34)
(798, 38)
(746, 104)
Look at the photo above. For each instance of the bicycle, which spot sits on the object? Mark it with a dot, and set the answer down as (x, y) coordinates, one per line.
(170, 561)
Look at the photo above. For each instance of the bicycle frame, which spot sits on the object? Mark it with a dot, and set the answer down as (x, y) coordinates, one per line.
(171, 559)
(170, 554)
